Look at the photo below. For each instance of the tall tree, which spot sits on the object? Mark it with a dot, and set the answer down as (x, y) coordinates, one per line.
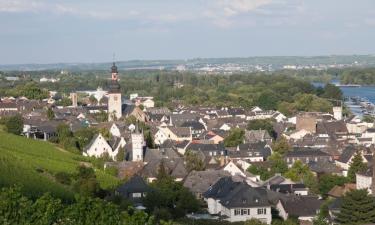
(357, 165)
(193, 162)
(281, 146)
(234, 138)
(265, 124)
(50, 114)
(357, 208)
(14, 124)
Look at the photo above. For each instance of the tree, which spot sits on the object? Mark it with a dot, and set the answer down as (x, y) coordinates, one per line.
(50, 114)
(254, 222)
(93, 100)
(46, 210)
(84, 136)
(86, 183)
(298, 171)
(14, 124)
(357, 208)
(265, 124)
(357, 165)
(368, 119)
(120, 155)
(149, 139)
(234, 138)
(281, 146)
(332, 92)
(320, 221)
(170, 199)
(65, 102)
(328, 181)
(278, 165)
(193, 162)
(14, 207)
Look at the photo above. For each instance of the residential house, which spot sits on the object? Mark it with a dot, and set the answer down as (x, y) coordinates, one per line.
(254, 136)
(252, 152)
(135, 189)
(100, 146)
(172, 133)
(304, 208)
(306, 156)
(196, 127)
(238, 201)
(199, 182)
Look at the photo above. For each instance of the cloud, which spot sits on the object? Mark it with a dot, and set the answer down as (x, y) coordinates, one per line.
(14, 6)
(235, 7)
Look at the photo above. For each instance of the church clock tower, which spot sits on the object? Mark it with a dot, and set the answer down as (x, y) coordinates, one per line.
(114, 100)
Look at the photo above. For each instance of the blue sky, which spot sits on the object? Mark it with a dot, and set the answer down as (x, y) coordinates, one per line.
(50, 31)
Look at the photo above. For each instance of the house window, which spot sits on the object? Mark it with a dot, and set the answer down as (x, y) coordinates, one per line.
(137, 195)
(262, 211)
(245, 211)
(237, 212)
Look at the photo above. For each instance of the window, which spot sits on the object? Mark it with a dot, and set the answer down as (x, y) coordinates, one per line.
(237, 212)
(245, 211)
(137, 195)
(262, 211)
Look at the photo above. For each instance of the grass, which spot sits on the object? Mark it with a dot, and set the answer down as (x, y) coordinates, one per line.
(32, 164)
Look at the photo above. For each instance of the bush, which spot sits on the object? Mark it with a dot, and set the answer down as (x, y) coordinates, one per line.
(14, 124)
(63, 178)
(111, 170)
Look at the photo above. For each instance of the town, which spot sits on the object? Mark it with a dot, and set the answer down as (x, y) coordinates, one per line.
(201, 112)
(239, 164)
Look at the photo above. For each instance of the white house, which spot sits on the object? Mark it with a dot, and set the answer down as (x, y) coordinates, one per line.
(99, 146)
(172, 133)
(238, 201)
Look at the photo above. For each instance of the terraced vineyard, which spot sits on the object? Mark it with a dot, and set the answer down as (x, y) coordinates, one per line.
(32, 165)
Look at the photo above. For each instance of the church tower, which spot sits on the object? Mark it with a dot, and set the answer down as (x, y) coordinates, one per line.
(137, 145)
(114, 100)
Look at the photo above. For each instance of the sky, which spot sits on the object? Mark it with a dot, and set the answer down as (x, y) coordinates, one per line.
(73, 31)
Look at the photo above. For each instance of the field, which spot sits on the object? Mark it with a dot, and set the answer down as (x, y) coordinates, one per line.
(31, 164)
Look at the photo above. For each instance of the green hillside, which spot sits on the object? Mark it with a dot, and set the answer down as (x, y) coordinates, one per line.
(32, 164)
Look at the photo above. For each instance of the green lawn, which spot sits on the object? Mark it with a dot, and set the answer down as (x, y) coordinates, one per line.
(32, 164)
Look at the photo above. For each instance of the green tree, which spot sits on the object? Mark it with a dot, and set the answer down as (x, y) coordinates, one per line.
(32, 91)
(93, 100)
(86, 183)
(14, 124)
(357, 208)
(50, 114)
(265, 124)
(368, 119)
(254, 222)
(149, 139)
(84, 136)
(65, 102)
(357, 165)
(47, 210)
(298, 171)
(328, 181)
(281, 146)
(193, 161)
(234, 138)
(120, 155)
(332, 92)
(278, 164)
(14, 207)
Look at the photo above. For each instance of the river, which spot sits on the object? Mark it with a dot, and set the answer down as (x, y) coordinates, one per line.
(363, 92)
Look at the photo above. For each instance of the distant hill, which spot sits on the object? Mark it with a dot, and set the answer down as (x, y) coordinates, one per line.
(276, 61)
(32, 164)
